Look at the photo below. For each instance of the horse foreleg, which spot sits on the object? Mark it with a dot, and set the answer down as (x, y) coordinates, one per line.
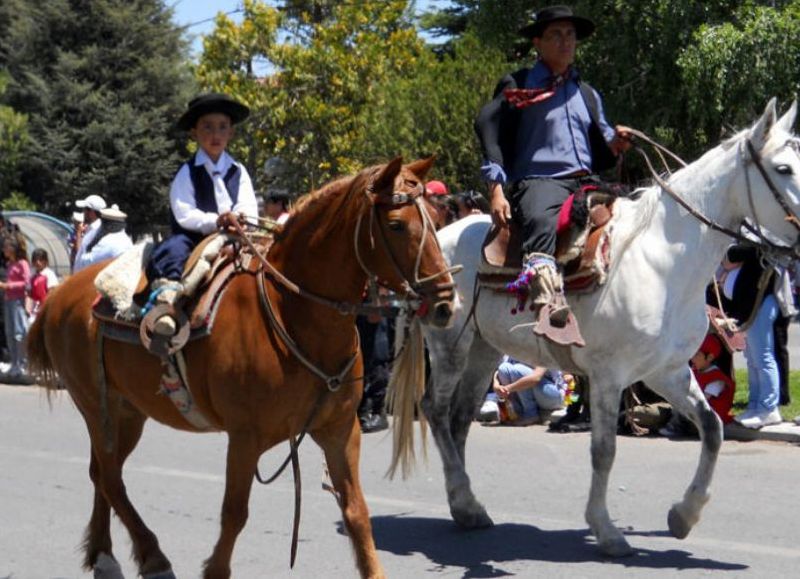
(452, 396)
(342, 447)
(105, 470)
(242, 461)
(604, 400)
(682, 391)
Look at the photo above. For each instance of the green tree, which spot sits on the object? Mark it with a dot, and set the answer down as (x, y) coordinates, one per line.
(433, 110)
(13, 143)
(102, 83)
(322, 72)
(732, 69)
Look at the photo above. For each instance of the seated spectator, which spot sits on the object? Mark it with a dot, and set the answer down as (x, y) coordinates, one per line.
(42, 282)
(528, 390)
(718, 386)
(109, 241)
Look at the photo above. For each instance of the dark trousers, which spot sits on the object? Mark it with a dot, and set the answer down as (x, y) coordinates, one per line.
(170, 256)
(535, 204)
(377, 341)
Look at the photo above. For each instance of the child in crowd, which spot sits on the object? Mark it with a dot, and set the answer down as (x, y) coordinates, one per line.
(210, 191)
(528, 389)
(42, 282)
(717, 386)
(18, 274)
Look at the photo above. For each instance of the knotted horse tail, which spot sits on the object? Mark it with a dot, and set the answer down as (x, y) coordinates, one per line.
(406, 388)
(40, 365)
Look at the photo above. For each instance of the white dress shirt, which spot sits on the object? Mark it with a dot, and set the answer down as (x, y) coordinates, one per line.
(183, 202)
(111, 245)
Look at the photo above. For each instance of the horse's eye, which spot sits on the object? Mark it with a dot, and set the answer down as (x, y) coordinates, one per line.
(395, 225)
(784, 169)
(410, 183)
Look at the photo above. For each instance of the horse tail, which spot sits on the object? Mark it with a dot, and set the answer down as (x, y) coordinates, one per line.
(406, 388)
(40, 364)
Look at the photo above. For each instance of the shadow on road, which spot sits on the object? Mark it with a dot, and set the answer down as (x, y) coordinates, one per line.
(482, 552)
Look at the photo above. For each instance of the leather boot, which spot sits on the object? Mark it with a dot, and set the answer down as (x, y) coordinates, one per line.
(547, 287)
(170, 291)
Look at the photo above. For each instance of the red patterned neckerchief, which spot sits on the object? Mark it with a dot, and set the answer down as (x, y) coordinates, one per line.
(524, 97)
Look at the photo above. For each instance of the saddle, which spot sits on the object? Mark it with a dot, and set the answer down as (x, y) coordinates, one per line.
(198, 310)
(582, 244)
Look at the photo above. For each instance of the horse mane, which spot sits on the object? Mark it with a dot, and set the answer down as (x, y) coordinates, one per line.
(344, 187)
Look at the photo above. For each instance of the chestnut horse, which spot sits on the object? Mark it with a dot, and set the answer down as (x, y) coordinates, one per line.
(245, 379)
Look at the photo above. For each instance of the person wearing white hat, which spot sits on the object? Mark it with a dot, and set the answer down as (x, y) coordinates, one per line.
(110, 240)
(91, 206)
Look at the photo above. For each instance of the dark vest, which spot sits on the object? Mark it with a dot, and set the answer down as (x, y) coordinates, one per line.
(204, 193)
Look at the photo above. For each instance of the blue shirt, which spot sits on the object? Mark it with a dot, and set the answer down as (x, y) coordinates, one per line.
(553, 137)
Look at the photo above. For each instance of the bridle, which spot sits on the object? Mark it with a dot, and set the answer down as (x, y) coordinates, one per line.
(416, 288)
(746, 149)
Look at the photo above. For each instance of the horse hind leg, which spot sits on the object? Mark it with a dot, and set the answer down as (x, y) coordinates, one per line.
(242, 462)
(682, 391)
(604, 400)
(105, 471)
(459, 379)
(342, 447)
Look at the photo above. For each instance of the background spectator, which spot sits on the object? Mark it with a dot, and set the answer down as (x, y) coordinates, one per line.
(15, 317)
(110, 239)
(276, 206)
(43, 281)
(529, 389)
(91, 207)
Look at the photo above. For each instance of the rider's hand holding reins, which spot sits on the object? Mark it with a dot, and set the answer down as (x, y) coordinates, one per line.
(228, 221)
(621, 141)
(501, 209)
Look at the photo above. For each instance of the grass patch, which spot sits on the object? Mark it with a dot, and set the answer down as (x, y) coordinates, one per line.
(788, 412)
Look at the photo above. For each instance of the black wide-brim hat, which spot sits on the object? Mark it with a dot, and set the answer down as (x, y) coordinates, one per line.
(212, 103)
(583, 26)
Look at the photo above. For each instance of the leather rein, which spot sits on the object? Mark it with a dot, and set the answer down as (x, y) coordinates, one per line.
(756, 229)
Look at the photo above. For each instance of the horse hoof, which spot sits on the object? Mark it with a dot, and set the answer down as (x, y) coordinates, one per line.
(106, 567)
(679, 527)
(473, 520)
(616, 548)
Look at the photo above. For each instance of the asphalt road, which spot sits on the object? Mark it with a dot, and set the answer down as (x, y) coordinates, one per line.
(534, 484)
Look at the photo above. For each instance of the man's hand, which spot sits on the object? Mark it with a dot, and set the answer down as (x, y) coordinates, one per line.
(501, 210)
(621, 141)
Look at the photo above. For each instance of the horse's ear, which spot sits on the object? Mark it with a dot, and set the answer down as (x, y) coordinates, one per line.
(384, 180)
(760, 131)
(421, 167)
(786, 122)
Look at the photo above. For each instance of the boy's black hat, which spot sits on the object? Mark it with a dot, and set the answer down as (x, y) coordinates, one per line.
(212, 103)
(583, 26)
(278, 197)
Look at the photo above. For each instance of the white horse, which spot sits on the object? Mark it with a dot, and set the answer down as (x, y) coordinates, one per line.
(643, 324)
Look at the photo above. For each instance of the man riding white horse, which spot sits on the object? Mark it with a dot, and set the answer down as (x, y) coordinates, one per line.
(543, 136)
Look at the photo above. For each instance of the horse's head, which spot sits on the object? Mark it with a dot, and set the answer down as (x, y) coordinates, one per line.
(772, 175)
(398, 245)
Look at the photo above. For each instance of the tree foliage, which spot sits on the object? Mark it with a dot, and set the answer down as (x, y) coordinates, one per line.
(324, 68)
(102, 82)
(13, 142)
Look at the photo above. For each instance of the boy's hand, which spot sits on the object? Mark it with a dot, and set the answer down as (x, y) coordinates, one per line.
(228, 221)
